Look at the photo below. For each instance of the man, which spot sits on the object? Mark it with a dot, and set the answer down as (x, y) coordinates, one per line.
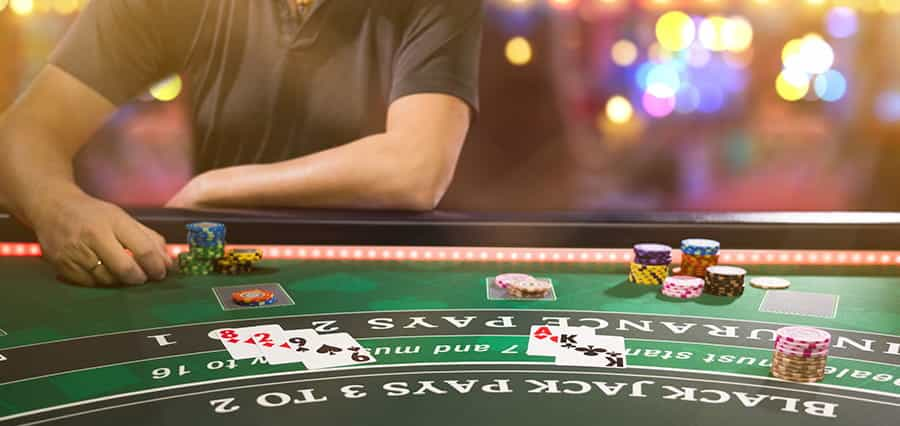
(325, 103)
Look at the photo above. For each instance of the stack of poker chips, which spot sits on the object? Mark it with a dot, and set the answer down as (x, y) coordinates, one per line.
(206, 244)
(253, 297)
(724, 281)
(651, 264)
(697, 254)
(683, 287)
(523, 286)
(238, 261)
(801, 354)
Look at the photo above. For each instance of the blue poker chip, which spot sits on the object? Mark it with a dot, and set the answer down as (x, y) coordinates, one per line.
(700, 247)
(206, 234)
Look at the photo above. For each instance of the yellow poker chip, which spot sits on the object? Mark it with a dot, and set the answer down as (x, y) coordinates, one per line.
(245, 255)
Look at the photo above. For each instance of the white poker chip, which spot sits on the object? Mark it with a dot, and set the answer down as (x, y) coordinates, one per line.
(729, 271)
(770, 283)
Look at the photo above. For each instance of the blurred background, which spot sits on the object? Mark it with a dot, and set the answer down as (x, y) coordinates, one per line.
(715, 105)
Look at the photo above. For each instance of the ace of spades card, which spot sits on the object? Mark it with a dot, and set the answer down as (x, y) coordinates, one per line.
(590, 350)
(335, 350)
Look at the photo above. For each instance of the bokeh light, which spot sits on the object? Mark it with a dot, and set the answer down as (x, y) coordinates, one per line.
(619, 110)
(675, 31)
(65, 7)
(712, 97)
(658, 107)
(816, 55)
(515, 4)
(659, 54)
(518, 51)
(698, 56)
(663, 81)
(22, 7)
(167, 90)
(830, 86)
(687, 100)
(890, 6)
(563, 4)
(790, 55)
(624, 53)
(737, 34)
(711, 33)
(792, 84)
(842, 22)
(887, 106)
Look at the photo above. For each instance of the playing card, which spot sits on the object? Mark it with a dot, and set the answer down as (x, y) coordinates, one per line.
(336, 350)
(273, 345)
(239, 342)
(298, 346)
(592, 351)
(544, 339)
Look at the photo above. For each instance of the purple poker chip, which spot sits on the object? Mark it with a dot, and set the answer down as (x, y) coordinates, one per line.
(651, 249)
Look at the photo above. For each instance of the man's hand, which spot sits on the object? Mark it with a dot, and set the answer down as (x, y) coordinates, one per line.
(86, 240)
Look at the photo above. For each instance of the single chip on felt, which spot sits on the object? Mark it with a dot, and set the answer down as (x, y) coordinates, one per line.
(770, 283)
(253, 297)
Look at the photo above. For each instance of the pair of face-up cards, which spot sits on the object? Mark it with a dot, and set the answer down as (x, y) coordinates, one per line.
(577, 346)
(280, 346)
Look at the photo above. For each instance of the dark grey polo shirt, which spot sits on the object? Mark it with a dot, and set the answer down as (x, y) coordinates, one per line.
(264, 84)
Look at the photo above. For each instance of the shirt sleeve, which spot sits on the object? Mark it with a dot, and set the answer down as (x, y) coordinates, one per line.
(441, 50)
(115, 47)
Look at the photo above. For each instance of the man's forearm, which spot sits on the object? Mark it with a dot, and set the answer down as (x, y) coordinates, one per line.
(32, 170)
(382, 171)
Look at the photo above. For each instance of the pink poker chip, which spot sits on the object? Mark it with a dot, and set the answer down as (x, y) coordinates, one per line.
(684, 281)
(803, 354)
(508, 280)
(810, 347)
(803, 335)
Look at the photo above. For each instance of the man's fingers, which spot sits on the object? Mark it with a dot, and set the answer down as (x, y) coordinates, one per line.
(103, 277)
(164, 251)
(75, 274)
(146, 249)
(125, 269)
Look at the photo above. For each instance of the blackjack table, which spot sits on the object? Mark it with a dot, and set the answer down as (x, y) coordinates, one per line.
(418, 291)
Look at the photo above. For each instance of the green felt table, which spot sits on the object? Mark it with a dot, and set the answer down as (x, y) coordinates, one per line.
(445, 352)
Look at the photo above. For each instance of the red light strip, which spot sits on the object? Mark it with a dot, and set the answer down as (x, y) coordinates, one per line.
(524, 255)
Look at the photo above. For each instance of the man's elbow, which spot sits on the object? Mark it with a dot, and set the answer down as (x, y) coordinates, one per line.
(422, 190)
(425, 199)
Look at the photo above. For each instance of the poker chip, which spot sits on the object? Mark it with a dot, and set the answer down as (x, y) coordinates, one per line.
(647, 274)
(188, 264)
(682, 287)
(770, 283)
(729, 271)
(506, 280)
(727, 281)
(205, 234)
(253, 297)
(252, 255)
(652, 254)
(529, 288)
(801, 354)
(700, 247)
(803, 335)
